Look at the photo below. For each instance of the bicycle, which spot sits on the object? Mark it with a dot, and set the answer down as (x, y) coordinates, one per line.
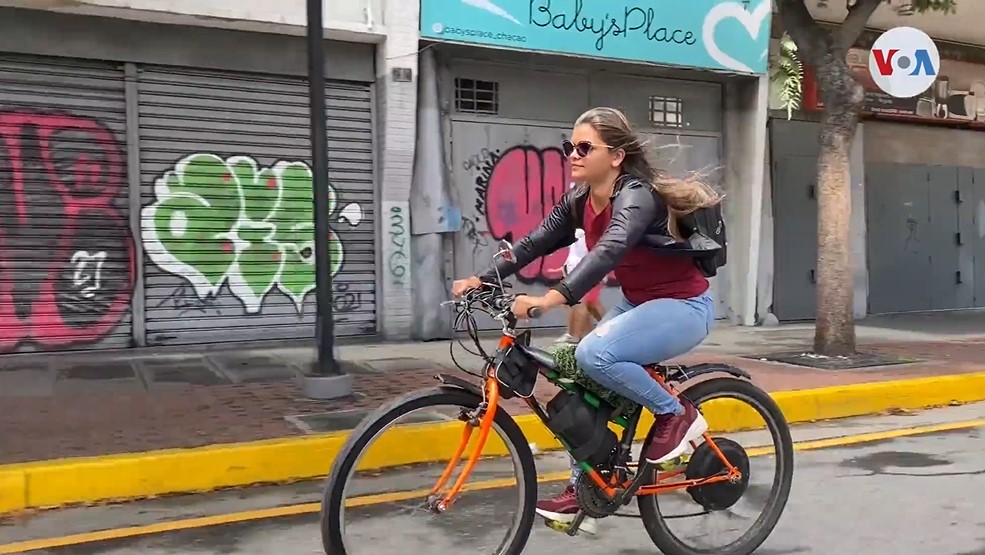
(715, 475)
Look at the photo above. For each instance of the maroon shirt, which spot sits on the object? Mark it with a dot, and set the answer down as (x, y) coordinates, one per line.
(645, 275)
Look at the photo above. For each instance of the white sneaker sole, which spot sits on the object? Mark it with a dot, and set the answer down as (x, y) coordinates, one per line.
(589, 525)
(697, 429)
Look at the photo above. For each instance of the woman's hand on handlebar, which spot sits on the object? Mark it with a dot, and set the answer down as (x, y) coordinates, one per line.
(526, 306)
(461, 286)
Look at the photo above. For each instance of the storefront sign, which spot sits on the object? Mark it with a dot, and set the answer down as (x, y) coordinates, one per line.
(956, 97)
(714, 34)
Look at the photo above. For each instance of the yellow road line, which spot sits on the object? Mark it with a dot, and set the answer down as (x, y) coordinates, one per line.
(394, 497)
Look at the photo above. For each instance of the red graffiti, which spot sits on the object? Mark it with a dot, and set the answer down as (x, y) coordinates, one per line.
(66, 255)
(524, 185)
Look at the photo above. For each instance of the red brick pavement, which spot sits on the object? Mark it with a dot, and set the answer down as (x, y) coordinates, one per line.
(40, 428)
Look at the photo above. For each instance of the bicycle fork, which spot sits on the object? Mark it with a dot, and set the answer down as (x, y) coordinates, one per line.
(437, 502)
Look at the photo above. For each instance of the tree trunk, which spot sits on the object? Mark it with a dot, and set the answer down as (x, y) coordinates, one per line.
(834, 333)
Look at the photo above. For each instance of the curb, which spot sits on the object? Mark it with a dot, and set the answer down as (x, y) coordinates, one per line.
(56, 483)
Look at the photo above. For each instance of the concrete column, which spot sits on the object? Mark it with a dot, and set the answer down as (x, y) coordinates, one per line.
(746, 110)
(432, 212)
(395, 143)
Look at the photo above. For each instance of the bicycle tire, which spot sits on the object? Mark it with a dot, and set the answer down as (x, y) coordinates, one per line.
(334, 494)
(653, 521)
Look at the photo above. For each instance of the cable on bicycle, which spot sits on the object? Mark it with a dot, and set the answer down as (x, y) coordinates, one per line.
(465, 310)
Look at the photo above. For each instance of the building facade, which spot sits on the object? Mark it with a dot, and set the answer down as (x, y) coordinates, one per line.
(155, 182)
(502, 83)
(918, 187)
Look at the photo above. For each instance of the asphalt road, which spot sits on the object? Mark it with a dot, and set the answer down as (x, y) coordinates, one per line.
(913, 494)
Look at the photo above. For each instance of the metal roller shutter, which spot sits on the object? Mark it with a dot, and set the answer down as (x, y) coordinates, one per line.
(66, 251)
(227, 218)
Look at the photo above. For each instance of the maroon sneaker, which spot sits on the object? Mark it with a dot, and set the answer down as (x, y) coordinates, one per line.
(673, 434)
(563, 508)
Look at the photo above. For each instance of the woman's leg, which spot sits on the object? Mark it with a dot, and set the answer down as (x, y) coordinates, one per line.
(653, 332)
(564, 507)
(596, 309)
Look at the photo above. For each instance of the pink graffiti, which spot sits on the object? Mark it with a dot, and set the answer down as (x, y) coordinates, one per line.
(61, 181)
(525, 184)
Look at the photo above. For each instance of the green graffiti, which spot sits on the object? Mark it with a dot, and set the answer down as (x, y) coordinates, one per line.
(218, 221)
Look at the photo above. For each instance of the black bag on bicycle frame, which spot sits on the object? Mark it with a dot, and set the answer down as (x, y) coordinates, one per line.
(515, 371)
(584, 427)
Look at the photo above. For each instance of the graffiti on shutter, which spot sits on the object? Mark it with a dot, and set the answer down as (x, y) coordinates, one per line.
(515, 190)
(230, 221)
(66, 252)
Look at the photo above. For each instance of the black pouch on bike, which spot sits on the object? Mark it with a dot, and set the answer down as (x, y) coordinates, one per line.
(584, 427)
(516, 373)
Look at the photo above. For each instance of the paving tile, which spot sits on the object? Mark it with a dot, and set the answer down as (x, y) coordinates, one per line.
(253, 368)
(181, 372)
(33, 382)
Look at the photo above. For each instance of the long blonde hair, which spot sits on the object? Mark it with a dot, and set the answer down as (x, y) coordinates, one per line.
(682, 195)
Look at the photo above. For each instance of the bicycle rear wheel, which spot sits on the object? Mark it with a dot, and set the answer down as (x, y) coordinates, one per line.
(726, 505)
(355, 525)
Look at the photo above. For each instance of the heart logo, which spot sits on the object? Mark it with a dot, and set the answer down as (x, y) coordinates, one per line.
(751, 21)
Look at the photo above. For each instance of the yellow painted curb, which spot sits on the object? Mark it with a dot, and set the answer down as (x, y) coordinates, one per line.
(141, 475)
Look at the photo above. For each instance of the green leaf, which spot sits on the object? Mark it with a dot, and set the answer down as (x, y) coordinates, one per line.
(208, 177)
(294, 216)
(260, 188)
(298, 276)
(194, 242)
(787, 76)
(259, 264)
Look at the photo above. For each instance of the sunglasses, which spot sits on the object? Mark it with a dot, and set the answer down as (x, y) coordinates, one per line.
(583, 148)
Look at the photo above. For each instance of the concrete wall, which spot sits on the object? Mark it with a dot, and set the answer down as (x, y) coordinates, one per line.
(959, 27)
(768, 233)
(345, 20)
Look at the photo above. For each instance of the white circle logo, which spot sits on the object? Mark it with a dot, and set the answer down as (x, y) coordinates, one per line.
(904, 62)
(437, 28)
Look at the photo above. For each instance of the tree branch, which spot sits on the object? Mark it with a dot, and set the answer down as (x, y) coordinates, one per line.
(851, 29)
(812, 41)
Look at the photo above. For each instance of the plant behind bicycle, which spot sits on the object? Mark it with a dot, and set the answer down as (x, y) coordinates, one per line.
(632, 216)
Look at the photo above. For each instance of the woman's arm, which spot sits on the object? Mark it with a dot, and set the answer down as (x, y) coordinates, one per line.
(554, 233)
(633, 210)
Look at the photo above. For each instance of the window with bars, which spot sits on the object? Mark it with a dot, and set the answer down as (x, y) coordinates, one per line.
(475, 96)
(666, 111)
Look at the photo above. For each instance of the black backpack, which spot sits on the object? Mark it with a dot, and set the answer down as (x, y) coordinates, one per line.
(710, 224)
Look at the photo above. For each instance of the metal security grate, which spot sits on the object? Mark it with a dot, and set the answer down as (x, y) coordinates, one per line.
(227, 222)
(66, 248)
(476, 96)
(666, 111)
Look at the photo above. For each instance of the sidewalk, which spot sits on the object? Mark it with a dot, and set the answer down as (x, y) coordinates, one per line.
(105, 403)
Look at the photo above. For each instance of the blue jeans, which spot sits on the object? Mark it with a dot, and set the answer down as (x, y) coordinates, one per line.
(630, 336)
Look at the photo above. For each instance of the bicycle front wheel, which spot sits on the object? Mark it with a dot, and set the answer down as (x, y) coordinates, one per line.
(379, 495)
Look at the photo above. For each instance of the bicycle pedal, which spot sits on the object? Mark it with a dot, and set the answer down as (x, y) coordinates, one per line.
(674, 464)
(557, 526)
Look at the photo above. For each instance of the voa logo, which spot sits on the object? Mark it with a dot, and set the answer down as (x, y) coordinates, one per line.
(904, 62)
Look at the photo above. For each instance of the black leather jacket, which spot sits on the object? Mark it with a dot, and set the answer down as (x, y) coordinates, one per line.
(639, 218)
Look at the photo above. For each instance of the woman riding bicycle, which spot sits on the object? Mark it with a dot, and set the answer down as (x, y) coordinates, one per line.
(630, 215)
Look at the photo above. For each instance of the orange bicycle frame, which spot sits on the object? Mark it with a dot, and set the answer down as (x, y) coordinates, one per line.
(491, 400)
(611, 488)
